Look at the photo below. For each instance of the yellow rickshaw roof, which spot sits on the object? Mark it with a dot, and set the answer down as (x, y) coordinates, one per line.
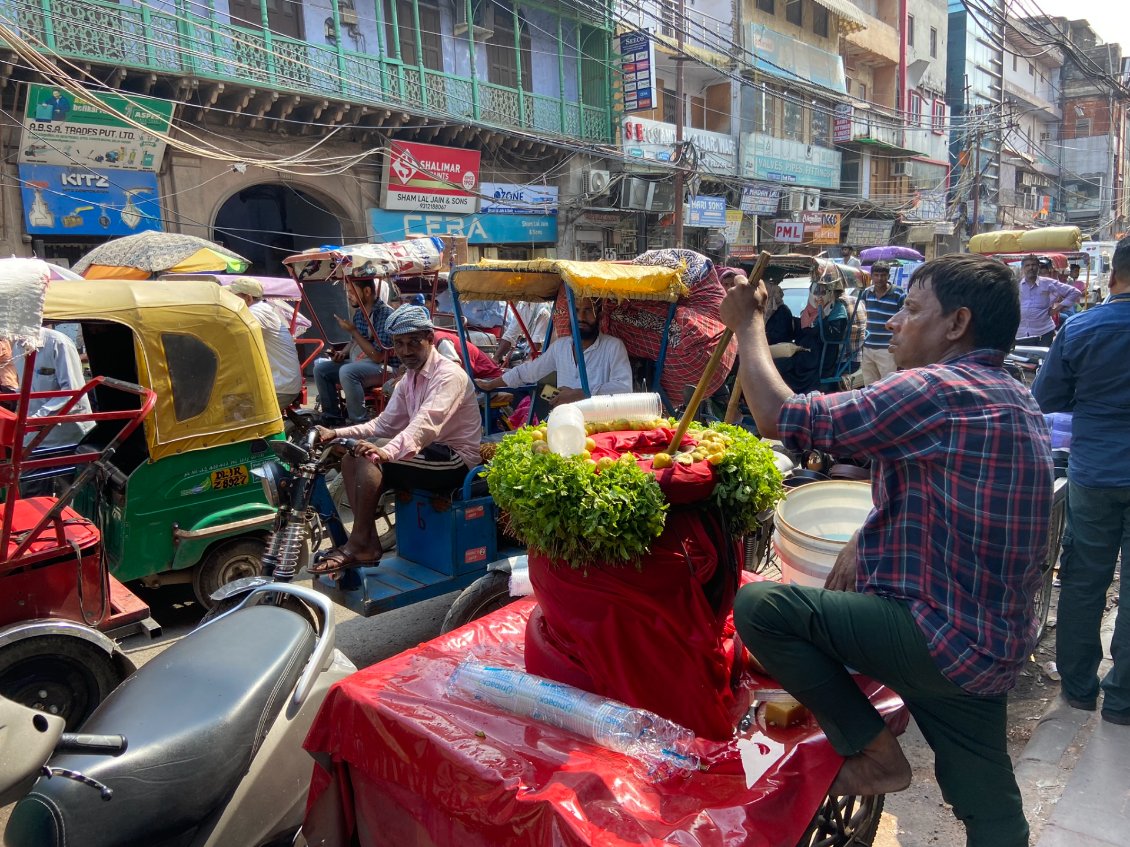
(241, 404)
(540, 279)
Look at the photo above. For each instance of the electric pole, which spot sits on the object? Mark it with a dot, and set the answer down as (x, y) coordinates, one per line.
(976, 179)
(680, 183)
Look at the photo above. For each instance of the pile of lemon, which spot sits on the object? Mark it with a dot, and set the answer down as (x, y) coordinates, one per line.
(711, 446)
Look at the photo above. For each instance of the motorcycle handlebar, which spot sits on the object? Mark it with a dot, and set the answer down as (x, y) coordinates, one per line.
(81, 742)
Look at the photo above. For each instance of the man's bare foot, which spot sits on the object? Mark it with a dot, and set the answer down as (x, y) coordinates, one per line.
(879, 768)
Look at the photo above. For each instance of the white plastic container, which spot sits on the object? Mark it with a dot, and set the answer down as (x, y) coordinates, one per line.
(565, 432)
(813, 523)
(610, 407)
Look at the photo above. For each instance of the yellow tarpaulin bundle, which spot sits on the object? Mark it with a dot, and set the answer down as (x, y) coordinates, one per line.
(540, 279)
(1053, 238)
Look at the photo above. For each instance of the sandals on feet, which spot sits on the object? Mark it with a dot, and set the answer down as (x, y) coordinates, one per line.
(337, 559)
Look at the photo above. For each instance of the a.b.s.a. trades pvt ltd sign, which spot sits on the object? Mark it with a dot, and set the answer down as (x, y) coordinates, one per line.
(428, 178)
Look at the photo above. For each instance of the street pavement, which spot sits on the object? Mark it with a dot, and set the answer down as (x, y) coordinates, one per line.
(1081, 764)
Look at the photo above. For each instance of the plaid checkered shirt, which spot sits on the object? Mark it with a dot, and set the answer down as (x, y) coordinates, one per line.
(962, 485)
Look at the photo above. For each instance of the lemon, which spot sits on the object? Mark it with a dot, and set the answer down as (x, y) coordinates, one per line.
(661, 460)
(537, 435)
(590, 444)
(604, 462)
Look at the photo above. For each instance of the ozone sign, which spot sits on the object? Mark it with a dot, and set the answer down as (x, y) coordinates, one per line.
(428, 178)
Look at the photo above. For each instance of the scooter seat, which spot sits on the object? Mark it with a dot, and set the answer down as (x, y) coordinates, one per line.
(193, 718)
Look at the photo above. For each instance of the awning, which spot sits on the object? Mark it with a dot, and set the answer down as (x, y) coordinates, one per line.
(848, 18)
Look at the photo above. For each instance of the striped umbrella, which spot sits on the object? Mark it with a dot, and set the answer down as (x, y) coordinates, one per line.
(149, 253)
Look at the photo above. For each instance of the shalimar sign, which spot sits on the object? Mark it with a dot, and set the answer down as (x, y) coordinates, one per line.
(429, 178)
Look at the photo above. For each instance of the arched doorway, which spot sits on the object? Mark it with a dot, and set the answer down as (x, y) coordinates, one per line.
(268, 222)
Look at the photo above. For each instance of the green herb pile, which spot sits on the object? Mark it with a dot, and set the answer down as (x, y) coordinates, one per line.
(559, 506)
(748, 480)
(562, 507)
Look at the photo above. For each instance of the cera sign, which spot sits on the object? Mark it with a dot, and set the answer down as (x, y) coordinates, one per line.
(477, 229)
(429, 178)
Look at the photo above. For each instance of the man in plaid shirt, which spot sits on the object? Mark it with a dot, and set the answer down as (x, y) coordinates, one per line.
(935, 595)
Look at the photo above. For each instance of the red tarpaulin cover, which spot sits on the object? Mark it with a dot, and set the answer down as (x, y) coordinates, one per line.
(408, 766)
(670, 657)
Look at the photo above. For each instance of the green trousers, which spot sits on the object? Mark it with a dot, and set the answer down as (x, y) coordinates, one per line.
(805, 637)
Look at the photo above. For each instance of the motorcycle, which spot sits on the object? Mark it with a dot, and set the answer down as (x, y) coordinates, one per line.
(214, 728)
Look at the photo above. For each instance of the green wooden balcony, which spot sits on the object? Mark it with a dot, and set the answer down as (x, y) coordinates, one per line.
(184, 44)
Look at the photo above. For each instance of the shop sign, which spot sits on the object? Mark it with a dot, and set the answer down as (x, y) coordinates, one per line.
(788, 232)
(760, 200)
(430, 178)
(706, 212)
(88, 201)
(655, 140)
(841, 123)
(61, 129)
(790, 162)
(821, 227)
(637, 67)
(506, 198)
(787, 57)
(477, 229)
(733, 226)
(927, 206)
(869, 233)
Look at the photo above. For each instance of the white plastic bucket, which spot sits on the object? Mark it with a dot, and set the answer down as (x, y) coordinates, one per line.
(605, 408)
(813, 523)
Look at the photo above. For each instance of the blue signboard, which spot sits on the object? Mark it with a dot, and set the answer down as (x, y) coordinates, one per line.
(637, 66)
(60, 200)
(478, 229)
(707, 212)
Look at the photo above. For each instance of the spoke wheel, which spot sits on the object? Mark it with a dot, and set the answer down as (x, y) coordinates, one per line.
(844, 821)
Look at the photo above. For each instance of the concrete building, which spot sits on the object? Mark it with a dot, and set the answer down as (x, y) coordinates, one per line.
(1031, 155)
(323, 89)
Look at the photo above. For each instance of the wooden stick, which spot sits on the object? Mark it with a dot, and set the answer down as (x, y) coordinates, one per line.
(711, 366)
(735, 401)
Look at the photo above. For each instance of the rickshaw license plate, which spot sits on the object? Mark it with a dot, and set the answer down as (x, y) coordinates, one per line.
(230, 478)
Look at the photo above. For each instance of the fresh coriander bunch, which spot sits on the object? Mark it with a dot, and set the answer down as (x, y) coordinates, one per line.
(748, 479)
(562, 507)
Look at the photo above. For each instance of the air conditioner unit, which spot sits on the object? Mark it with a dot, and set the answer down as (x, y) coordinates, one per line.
(900, 169)
(597, 182)
(790, 201)
(347, 14)
(482, 27)
(812, 201)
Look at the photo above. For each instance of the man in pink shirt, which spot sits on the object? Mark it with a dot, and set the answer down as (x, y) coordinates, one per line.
(427, 437)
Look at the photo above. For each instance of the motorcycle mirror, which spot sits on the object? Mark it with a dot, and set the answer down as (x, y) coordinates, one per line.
(290, 453)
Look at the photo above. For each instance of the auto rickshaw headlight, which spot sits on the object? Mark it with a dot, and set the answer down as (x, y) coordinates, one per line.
(270, 476)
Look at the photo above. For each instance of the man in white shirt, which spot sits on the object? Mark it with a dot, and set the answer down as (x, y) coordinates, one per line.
(282, 353)
(535, 316)
(57, 368)
(606, 362)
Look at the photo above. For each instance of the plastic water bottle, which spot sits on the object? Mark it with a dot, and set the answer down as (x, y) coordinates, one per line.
(661, 745)
(610, 407)
(566, 430)
(520, 584)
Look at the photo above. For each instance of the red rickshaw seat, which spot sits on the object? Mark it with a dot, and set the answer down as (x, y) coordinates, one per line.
(69, 528)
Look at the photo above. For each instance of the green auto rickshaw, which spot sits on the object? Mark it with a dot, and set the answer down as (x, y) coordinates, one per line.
(179, 502)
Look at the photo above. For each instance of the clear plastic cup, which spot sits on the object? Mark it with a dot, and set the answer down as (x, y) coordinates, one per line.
(610, 407)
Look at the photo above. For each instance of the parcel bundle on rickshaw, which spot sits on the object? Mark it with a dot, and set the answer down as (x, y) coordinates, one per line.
(633, 555)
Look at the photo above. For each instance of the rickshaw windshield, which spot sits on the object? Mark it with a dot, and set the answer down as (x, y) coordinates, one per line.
(196, 345)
